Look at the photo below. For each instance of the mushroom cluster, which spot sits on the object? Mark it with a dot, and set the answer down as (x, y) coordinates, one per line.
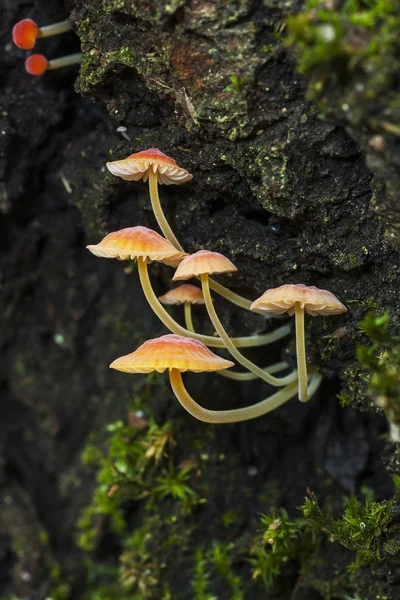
(24, 36)
(185, 349)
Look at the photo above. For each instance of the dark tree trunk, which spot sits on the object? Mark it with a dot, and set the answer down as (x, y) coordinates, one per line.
(292, 191)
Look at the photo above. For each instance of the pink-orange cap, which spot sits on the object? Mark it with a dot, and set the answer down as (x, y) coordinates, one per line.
(36, 64)
(183, 293)
(137, 242)
(202, 262)
(171, 352)
(137, 166)
(312, 299)
(24, 34)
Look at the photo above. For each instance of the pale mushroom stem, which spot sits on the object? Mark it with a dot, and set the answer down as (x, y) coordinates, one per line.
(188, 316)
(301, 354)
(158, 211)
(250, 366)
(64, 61)
(238, 414)
(169, 234)
(55, 28)
(208, 340)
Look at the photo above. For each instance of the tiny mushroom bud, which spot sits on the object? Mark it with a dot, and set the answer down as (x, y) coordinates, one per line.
(297, 299)
(180, 354)
(25, 32)
(37, 64)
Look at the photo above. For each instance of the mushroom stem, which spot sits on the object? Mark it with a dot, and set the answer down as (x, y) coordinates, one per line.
(158, 211)
(208, 340)
(238, 414)
(55, 28)
(301, 353)
(188, 316)
(169, 234)
(250, 366)
(64, 61)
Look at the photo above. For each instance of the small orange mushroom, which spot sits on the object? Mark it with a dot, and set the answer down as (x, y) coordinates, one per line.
(297, 299)
(157, 167)
(180, 354)
(25, 32)
(37, 64)
(187, 295)
(202, 264)
(137, 242)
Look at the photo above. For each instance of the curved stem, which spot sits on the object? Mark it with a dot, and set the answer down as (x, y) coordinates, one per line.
(55, 28)
(188, 316)
(231, 347)
(169, 234)
(159, 213)
(209, 340)
(301, 353)
(228, 416)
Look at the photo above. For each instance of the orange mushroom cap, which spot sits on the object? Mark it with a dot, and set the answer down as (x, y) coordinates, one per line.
(36, 64)
(24, 34)
(313, 300)
(134, 242)
(183, 293)
(202, 262)
(137, 166)
(171, 352)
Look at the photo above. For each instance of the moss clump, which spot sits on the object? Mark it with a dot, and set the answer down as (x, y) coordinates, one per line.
(370, 528)
(338, 46)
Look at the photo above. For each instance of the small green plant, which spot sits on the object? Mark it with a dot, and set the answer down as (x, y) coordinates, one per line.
(172, 483)
(281, 541)
(237, 83)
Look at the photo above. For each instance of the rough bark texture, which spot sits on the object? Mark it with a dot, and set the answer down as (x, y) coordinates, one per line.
(288, 196)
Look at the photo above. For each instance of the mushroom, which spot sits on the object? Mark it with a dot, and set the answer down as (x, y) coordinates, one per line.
(37, 64)
(202, 264)
(180, 354)
(295, 299)
(25, 32)
(157, 167)
(145, 245)
(187, 295)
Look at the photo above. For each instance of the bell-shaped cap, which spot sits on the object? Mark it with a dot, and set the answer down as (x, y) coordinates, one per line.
(137, 242)
(183, 293)
(312, 299)
(137, 166)
(171, 352)
(202, 262)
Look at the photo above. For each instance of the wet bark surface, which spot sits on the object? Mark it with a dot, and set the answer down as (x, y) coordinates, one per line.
(285, 194)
